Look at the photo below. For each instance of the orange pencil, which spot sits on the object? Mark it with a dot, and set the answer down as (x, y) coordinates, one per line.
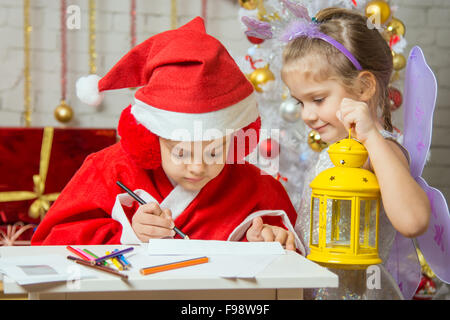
(173, 265)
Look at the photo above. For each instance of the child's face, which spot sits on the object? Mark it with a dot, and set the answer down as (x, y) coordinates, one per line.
(320, 100)
(193, 164)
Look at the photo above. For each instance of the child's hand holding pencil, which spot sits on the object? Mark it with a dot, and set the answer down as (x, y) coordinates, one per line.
(152, 222)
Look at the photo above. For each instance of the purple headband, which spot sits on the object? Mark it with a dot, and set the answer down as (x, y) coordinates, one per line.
(311, 30)
(298, 28)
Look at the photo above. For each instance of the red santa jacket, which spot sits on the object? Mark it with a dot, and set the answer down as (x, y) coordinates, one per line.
(82, 214)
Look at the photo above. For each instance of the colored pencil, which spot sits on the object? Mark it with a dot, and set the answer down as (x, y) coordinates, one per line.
(141, 201)
(79, 253)
(173, 265)
(115, 262)
(97, 267)
(115, 254)
(93, 255)
(126, 265)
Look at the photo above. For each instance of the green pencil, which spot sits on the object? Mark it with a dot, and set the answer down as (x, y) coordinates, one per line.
(95, 256)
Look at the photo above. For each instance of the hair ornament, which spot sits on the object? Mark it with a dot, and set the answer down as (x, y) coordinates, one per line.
(302, 26)
(256, 28)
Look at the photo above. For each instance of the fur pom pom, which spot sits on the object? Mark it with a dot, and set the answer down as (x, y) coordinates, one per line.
(141, 145)
(87, 90)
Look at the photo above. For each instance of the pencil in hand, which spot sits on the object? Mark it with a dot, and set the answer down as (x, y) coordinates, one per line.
(141, 201)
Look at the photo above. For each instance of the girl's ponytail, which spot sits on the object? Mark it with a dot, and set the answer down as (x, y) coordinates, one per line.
(386, 113)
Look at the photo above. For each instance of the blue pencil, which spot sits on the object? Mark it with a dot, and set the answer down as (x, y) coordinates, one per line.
(122, 259)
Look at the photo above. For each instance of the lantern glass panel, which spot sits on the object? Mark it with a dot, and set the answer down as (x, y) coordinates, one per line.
(367, 223)
(315, 207)
(339, 214)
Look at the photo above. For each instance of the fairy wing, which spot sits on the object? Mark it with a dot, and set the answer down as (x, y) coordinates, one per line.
(404, 266)
(435, 243)
(420, 100)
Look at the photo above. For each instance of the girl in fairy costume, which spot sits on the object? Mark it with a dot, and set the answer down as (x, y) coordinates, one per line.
(339, 70)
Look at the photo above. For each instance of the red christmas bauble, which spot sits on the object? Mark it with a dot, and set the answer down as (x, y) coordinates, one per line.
(396, 98)
(269, 148)
(426, 289)
(255, 40)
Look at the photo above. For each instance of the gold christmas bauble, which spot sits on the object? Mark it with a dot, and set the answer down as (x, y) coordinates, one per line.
(315, 142)
(380, 10)
(399, 61)
(261, 76)
(248, 4)
(395, 28)
(63, 113)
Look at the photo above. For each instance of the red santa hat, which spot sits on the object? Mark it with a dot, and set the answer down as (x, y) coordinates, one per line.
(188, 81)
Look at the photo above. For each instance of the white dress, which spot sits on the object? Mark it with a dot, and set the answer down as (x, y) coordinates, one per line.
(352, 283)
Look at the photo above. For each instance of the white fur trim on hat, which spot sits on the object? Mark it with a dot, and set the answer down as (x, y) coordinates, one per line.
(87, 90)
(196, 126)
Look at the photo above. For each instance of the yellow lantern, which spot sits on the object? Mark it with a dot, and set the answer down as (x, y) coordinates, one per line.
(345, 206)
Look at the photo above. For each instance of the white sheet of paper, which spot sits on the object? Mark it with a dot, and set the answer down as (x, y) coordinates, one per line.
(27, 270)
(226, 266)
(228, 259)
(212, 247)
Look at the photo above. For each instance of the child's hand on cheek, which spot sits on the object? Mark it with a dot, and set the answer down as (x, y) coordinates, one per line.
(357, 114)
(264, 232)
(152, 222)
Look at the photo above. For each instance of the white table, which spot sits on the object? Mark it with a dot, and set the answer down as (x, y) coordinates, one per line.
(284, 278)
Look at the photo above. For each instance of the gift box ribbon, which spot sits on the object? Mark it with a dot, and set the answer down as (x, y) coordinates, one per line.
(41, 204)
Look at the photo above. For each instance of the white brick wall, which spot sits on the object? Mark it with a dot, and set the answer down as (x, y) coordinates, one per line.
(427, 24)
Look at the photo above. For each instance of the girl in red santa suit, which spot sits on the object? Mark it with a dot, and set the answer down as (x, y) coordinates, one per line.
(196, 182)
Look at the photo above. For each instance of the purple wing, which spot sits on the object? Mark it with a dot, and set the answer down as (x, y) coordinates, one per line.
(420, 99)
(257, 29)
(297, 9)
(435, 243)
(404, 266)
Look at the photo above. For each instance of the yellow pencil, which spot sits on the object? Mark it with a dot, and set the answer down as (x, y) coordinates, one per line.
(115, 262)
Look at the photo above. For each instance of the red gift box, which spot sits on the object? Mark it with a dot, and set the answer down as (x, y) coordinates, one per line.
(37, 163)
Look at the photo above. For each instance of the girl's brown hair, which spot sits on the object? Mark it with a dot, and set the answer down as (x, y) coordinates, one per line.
(367, 46)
